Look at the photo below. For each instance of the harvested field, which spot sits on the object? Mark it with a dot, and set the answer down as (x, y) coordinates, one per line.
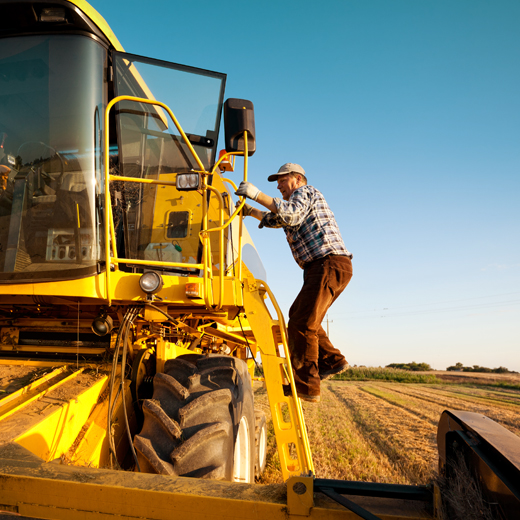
(386, 432)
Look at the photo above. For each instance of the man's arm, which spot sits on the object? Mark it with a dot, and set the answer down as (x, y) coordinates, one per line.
(249, 211)
(266, 218)
(256, 213)
(246, 189)
(267, 202)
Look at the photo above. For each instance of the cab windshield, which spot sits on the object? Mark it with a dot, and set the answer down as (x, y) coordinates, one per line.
(52, 100)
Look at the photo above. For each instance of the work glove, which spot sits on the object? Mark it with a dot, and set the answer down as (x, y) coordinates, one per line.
(246, 189)
(246, 210)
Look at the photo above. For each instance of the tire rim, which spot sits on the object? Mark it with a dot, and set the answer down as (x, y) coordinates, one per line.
(262, 448)
(242, 458)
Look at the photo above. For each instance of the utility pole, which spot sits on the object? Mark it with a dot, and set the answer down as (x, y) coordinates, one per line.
(328, 321)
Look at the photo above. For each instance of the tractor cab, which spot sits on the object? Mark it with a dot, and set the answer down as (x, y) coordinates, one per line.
(54, 90)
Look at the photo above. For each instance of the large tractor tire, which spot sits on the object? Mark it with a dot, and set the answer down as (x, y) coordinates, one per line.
(200, 421)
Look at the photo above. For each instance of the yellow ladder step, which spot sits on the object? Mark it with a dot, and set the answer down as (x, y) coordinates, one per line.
(286, 411)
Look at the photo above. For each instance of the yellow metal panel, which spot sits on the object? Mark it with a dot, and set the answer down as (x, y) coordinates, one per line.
(300, 496)
(91, 287)
(62, 492)
(92, 449)
(27, 362)
(12, 402)
(54, 435)
(29, 394)
(124, 286)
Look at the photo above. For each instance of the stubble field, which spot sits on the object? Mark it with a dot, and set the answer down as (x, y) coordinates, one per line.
(386, 432)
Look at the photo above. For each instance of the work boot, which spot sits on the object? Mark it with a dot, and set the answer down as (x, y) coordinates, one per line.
(334, 371)
(304, 397)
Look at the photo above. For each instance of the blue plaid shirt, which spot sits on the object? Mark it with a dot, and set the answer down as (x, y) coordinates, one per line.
(309, 225)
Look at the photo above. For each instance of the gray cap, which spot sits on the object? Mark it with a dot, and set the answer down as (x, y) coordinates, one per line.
(285, 169)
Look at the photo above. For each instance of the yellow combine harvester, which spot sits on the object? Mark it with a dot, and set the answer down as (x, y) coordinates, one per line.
(132, 306)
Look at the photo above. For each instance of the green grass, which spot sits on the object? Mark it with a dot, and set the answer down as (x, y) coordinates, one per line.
(387, 396)
(386, 374)
(505, 385)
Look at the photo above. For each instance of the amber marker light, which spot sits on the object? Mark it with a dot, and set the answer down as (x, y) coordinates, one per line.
(193, 290)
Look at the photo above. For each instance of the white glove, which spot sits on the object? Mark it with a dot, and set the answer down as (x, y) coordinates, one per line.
(246, 210)
(246, 189)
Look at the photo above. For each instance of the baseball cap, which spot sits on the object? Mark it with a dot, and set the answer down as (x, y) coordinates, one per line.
(285, 169)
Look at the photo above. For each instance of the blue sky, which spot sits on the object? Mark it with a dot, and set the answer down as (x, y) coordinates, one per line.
(406, 115)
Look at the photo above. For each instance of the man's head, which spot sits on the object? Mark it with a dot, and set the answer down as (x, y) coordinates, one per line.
(290, 177)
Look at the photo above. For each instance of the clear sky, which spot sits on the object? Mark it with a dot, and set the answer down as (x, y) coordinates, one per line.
(406, 115)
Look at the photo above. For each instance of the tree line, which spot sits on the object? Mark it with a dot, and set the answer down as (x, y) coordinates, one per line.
(458, 367)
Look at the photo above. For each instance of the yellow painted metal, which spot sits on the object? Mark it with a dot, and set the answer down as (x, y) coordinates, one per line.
(27, 362)
(153, 262)
(109, 224)
(55, 349)
(33, 488)
(13, 402)
(220, 290)
(241, 220)
(91, 286)
(28, 395)
(207, 286)
(124, 287)
(288, 369)
(206, 266)
(166, 350)
(99, 21)
(142, 181)
(54, 435)
(91, 447)
(300, 496)
(286, 411)
(112, 232)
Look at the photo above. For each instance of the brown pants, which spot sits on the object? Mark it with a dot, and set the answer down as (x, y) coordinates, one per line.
(311, 350)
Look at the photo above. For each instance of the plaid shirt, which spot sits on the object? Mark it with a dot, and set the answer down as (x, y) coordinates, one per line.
(309, 225)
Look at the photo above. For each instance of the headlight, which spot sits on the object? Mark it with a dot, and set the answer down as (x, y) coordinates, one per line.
(102, 324)
(188, 181)
(151, 282)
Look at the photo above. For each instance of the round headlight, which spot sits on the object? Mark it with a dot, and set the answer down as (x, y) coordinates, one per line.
(151, 282)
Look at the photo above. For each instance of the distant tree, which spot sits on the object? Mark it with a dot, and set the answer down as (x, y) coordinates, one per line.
(413, 366)
(457, 367)
(477, 368)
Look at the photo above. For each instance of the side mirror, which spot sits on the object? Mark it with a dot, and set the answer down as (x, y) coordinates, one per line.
(239, 117)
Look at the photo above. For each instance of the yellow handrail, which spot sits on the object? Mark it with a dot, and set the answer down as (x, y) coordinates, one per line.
(241, 221)
(142, 181)
(221, 243)
(227, 154)
(156, 262)
(223, 179)
(206, 265)
(109, 228)
(237, 211)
